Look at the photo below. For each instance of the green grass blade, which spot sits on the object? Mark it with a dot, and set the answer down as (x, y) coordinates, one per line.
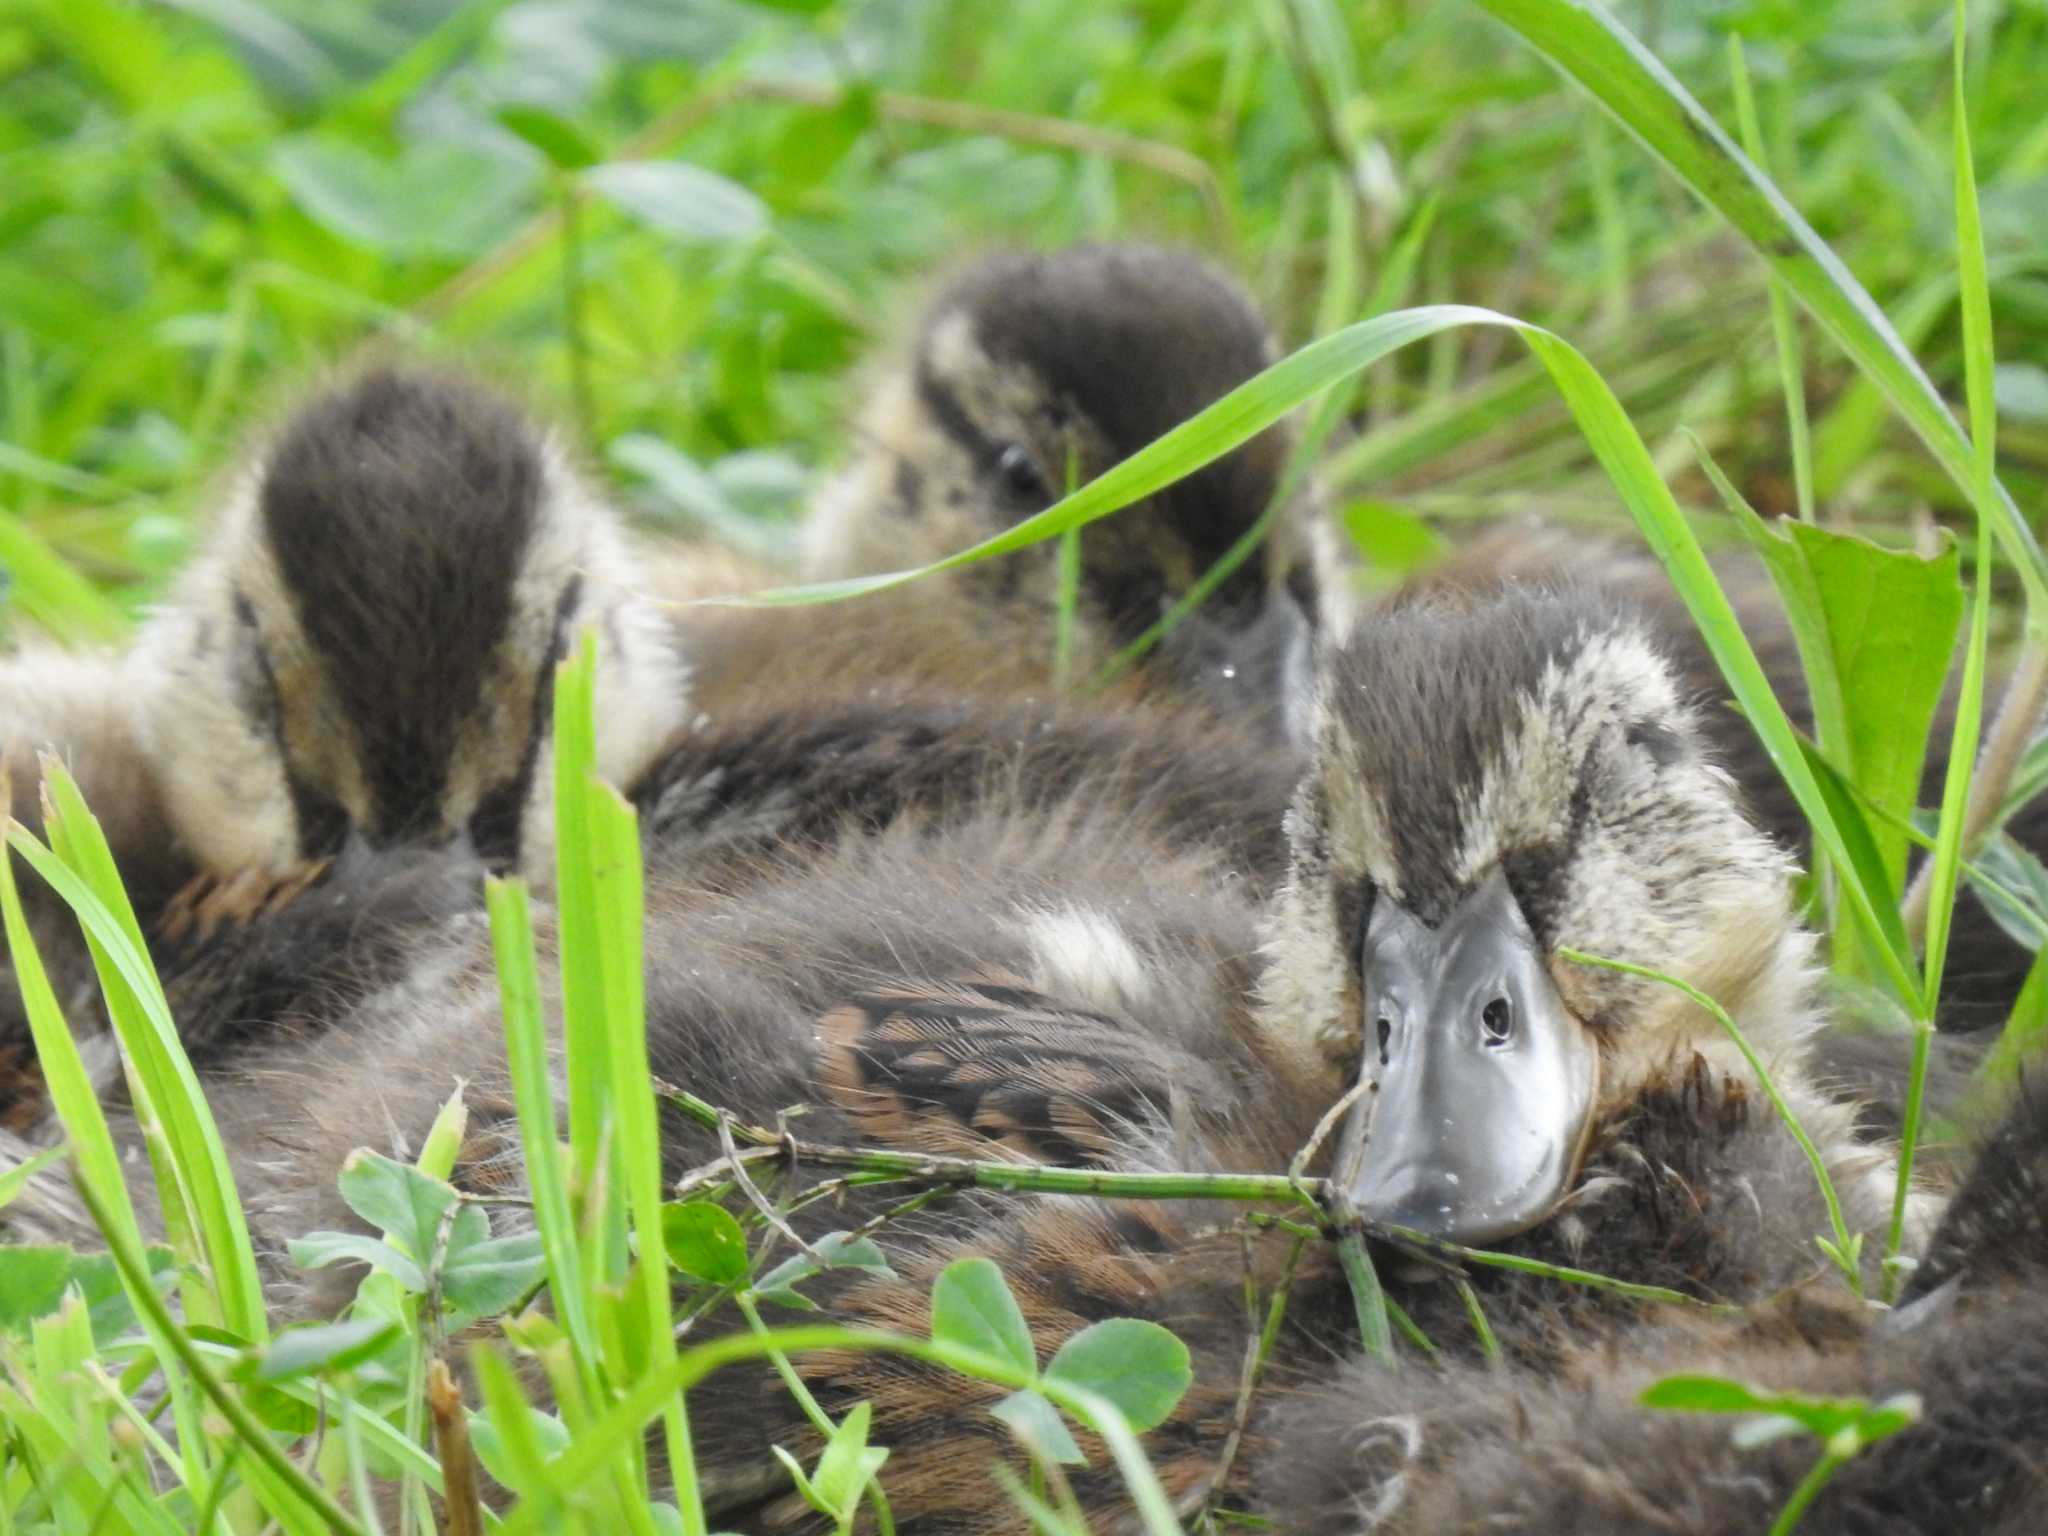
(42, 584)
(1978, 362)
(168, 1089)
(615, 850)
(1594, 49)
(1784, 325)
(97, 1162)
(586, 1036)
(526, 1054)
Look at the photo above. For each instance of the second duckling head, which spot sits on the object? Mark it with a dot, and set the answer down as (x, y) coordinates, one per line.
(367, 649)
(1492, 786)
(1030, 373)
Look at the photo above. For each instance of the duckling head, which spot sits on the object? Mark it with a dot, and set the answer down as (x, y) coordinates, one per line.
(1032, 372)
(366, 651)
(1490, 787)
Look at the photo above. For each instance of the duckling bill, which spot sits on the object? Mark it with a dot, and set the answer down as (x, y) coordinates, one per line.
(1479, 1083)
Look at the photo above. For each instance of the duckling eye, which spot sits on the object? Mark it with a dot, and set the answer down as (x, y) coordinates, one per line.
(1020, 475)
(1497, 1019)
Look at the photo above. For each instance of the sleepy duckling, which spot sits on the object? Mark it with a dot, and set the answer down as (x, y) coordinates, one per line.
(367, 649)
(1986, 966)
(361, 662)
(1028, 373)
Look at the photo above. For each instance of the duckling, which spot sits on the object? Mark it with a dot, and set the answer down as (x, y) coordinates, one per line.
(1490, 788)
(1028, 373)
(361, 660)
(367, 649)
(1986, 966)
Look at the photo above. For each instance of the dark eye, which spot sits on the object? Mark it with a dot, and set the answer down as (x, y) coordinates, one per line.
(1497, 1019)
(1385, 1026)
(1020, 476)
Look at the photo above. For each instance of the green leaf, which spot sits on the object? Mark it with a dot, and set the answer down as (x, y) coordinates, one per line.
(678, 199)
(2012, 883)
(704, 1241)
(1393, 541)
(316, 1250)
(438, 199)
(567, 147)
(795, 7)
(1876, 629)
(32, 1282)
(837, 1250)
(972, 1308)
(398, 1200)
(15, 1179)
(1137, 1365)
(847, 1464)
(484, 1275)
(1821, 1416)
(1038, 1424)
(319, 1348)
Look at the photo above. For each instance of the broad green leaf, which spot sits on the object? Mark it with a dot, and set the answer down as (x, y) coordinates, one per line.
(686, 201)
(848, 1463)
(567, 147)
(514, 1440)
(1393, 541)
(1138, 1365)
(398, 1200)
(1876, 630)
(32, 1281)
(837, 1250)
(323, 1347)
(1038, 1424)
(438, 199)
(316, 1250)
(807, 151)
(1888, 620)
(704, 1241)
(2013, 885)
(972, 1307)
(1819, 1416)
(485, 1275)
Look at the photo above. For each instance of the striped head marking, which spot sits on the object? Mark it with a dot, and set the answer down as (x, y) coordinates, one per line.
(368, 649)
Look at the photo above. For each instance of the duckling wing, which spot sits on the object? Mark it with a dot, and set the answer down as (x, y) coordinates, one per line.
(991, 1068)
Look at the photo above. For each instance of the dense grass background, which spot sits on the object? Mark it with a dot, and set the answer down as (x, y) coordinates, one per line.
(205, 201)
(678, 225)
